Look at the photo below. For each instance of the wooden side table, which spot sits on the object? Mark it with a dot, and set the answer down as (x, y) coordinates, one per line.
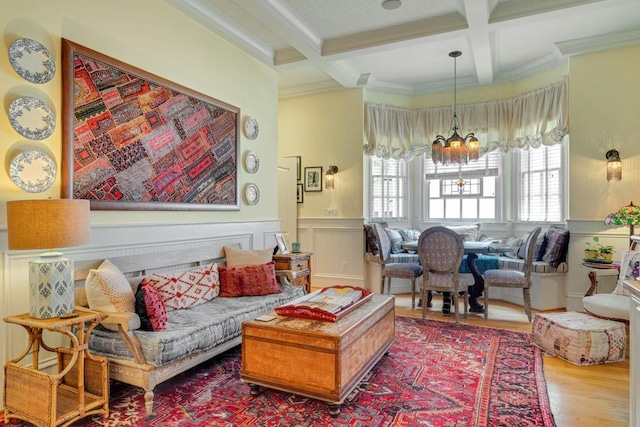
(299, 263)
(596, 270)
(81, 386)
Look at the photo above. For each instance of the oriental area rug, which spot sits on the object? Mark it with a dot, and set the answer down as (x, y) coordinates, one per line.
(436, 374)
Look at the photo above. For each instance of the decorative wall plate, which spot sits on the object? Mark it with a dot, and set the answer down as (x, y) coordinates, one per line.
(33, 171)
(252, 193)
(32, 60)
(252, 162)
(31, 118)
(251, 127)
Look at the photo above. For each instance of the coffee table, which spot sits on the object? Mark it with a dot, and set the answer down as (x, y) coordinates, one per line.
(318, 359)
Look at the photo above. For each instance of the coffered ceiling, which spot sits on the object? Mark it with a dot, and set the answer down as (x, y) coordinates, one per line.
(318, 45)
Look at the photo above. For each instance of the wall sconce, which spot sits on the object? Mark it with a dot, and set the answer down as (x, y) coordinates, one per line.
(328, 178)
(614, 165)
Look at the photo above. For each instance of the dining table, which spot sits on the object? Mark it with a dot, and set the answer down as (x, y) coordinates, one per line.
(472, 249)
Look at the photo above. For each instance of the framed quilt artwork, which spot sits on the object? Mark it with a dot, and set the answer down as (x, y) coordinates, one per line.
(135, 141)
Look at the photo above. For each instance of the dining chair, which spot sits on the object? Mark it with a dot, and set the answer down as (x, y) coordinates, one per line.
(441, 250)
(399, 270)
(514, 278)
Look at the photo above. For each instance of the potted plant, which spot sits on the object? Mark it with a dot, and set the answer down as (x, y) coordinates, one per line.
(596, 251)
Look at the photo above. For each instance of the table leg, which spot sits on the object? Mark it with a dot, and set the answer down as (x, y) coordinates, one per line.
(334, 410)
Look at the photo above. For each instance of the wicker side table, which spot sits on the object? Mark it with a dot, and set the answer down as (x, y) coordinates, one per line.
(81, 386)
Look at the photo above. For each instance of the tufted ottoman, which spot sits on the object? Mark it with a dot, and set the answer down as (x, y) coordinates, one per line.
(579, 338)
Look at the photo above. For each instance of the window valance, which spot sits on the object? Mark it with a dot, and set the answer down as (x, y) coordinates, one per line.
(530, 120)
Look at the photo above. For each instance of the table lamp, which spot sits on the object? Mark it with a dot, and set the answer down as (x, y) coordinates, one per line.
(49, 224)
(627, 215)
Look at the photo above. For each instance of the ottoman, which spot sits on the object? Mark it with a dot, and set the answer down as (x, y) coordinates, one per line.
(579, 338)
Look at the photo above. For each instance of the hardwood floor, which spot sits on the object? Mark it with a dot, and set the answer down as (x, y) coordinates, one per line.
(580, 396)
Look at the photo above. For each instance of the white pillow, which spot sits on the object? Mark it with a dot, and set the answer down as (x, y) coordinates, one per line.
(468, 232)
(243, 257)
(108, 290)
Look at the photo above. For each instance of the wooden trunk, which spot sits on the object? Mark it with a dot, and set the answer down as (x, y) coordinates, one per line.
(323, 360)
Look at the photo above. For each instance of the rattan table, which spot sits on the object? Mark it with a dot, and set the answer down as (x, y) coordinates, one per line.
(81, 386)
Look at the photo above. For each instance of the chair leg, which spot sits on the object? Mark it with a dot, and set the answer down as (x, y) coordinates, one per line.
(526, 294)
(423, 294)
(454, 304)
(486, 300)
(413, 293)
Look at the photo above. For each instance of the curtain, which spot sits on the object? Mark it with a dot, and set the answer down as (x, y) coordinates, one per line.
(529, 120)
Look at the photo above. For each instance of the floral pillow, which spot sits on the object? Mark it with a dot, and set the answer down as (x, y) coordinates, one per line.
(409, 234)
(629, 265)
(189, 288)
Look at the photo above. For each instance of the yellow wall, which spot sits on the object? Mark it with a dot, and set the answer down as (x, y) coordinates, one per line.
(151, 35)
(326, 129)
(604, 111)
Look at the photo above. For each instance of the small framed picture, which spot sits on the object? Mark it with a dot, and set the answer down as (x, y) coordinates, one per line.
(299, 193)
(282, 244)
(313, 178)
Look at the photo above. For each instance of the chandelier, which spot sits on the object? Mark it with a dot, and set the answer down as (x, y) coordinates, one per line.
(455, 149)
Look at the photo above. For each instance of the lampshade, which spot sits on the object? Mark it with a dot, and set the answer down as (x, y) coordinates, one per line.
(627, 215)
(48, 224)
(40, 224)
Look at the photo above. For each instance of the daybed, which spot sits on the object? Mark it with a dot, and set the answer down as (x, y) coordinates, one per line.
(145, 358)
(549, 268)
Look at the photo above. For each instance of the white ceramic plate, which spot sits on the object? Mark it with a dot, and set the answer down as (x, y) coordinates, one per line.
(251, 127)
(252, 193)
(31, 118)
(33, 171)
(32, 60)
(252, 162)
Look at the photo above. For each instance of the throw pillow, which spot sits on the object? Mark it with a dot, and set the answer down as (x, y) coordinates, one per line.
(396, 239)
(371, 240)
(252, 280)
(189, 288)
(468, 232)
(150, 308)
(410, 234)
(108, 290)
(230, 282)
(514, 243)
(557, 243)
(537, 256)
(628, 270)
(259, 280)
(243, 257)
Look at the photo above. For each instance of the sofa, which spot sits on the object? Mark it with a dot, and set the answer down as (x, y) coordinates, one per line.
(189, 331)
(549, 268)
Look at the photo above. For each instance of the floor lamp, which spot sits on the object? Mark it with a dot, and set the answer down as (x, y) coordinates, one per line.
(49, 224)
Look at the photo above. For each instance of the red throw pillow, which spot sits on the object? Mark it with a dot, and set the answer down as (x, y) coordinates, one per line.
(259, 280)
(150, 308)
(229, 282)
(252, 280)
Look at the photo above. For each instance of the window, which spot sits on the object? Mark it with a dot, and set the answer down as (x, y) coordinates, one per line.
(462, 191)
(541, 196)
(389, 188)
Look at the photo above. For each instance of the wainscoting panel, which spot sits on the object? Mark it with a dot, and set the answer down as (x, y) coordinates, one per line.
(338, 250)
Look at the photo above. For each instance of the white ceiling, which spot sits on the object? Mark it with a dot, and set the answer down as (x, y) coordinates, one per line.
(318, 45)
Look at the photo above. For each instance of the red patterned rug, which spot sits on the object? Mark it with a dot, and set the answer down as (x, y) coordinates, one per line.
(436, 374)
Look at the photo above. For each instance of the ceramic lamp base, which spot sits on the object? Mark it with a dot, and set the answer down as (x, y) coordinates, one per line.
(51, 287)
